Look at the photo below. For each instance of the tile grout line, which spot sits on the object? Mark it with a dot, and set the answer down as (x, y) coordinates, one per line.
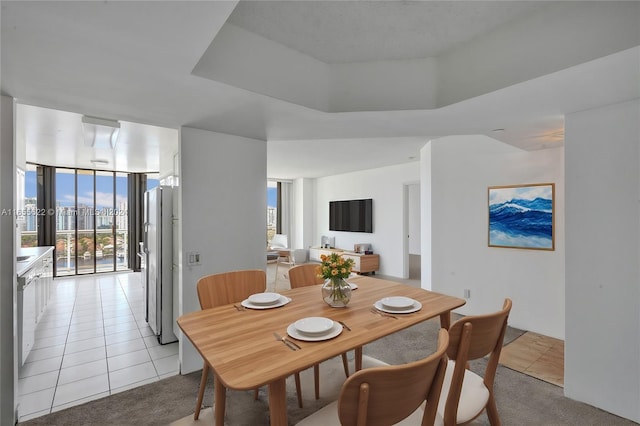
(106, 353)
(143, 337)
(138, 330)
(55, 390)
(96, 286)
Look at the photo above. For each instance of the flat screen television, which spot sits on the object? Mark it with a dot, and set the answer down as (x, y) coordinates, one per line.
(351, 215)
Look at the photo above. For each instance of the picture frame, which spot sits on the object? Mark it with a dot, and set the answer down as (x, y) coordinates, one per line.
(522, 216)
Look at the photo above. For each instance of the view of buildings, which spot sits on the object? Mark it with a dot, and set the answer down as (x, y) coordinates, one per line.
(88, 239)
(94, 238)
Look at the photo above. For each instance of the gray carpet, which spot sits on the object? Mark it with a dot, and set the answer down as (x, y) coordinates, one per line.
(522, 400)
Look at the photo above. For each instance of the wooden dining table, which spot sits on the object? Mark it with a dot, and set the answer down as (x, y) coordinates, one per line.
(243, 353)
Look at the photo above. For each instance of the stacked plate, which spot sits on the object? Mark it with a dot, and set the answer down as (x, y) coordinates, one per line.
(398, 305)
(265, 301)
(314, 329)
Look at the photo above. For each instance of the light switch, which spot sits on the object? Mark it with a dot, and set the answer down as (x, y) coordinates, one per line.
(193, 258)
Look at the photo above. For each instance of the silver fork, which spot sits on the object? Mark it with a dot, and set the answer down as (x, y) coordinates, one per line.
(383, 314)
(284, 340)
(344, 325)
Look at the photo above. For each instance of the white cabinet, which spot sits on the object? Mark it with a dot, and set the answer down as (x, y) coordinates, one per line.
(27, 313)
(44, 275)
(34, 290)
(362, 263)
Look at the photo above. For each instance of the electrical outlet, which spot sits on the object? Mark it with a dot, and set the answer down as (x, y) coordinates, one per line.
(193, 258)
(467, 293)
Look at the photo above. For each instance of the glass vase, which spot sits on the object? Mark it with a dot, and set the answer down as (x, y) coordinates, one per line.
(336, 292)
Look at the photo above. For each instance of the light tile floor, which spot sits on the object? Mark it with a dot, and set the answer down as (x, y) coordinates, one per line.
(92, 341)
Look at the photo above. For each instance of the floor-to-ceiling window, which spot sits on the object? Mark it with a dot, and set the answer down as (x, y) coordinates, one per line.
(121, 222)
(105, 218)
(272, 209)
(65, 184)
(153, 180)
(88, 212)
(27, 220)
(85, 222)
(91, 221)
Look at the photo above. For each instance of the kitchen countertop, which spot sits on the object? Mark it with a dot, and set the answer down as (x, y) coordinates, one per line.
(34, 253)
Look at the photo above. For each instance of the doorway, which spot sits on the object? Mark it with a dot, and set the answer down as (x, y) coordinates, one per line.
(413, 231)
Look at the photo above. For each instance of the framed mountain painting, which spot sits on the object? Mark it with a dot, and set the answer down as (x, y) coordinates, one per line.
(522, 216)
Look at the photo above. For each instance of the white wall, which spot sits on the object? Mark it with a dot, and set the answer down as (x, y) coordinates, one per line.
(304, 213)
(602, 349)
(222, 212)
(386, 187)
(8, 320)
(462, 168)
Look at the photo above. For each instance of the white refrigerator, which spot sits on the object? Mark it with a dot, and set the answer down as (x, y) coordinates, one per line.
(158, 240)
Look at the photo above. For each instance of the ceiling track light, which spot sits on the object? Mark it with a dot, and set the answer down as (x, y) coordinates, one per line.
(100, 132)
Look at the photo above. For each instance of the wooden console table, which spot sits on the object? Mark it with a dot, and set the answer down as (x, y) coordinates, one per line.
(362, 263)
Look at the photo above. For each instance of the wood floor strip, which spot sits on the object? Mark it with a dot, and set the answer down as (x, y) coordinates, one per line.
(536, 355)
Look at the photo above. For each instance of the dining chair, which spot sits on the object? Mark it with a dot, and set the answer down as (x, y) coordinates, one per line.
(391, 394)
(223, 289)
(465, 394)
(302, 276)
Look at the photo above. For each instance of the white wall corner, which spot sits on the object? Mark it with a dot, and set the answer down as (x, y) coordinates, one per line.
(602, 262)
(223, 211)
(8, 318)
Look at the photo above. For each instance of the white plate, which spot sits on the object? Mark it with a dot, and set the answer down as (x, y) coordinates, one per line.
(335, 331)
(352, 285)
(397, 302)
(264, 298)
(314, 325)
(414, 308)
(283, 301)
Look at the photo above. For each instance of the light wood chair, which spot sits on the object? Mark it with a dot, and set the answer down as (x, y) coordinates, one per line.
(302, 276)
(392, 394)
(465, 394)
(223, 289)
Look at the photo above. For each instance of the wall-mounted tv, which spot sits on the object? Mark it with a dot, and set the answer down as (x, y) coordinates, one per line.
(351, 215)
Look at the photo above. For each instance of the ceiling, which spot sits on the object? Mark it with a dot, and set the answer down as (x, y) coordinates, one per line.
(134, 62)
(351, 31)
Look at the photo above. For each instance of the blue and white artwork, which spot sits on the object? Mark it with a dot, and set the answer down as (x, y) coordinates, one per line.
(521, 216)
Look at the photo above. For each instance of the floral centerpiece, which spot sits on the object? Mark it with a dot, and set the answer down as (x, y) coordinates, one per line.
(334, 269)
